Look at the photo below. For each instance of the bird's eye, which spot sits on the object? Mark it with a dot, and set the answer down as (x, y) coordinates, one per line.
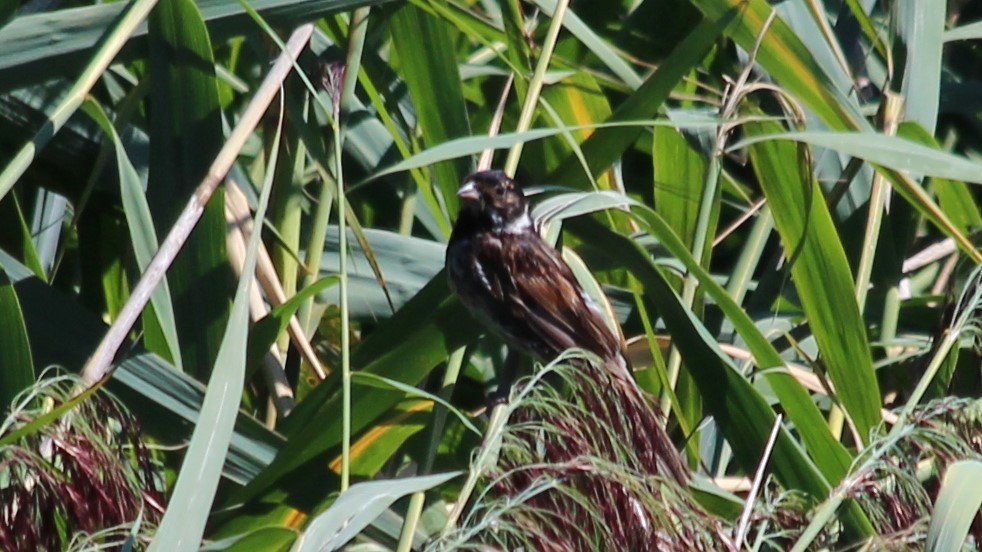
(499, 192)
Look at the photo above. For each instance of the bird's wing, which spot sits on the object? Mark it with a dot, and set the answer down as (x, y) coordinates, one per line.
(538, 292)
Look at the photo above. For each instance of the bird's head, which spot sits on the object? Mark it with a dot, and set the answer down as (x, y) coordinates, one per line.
(495, 199)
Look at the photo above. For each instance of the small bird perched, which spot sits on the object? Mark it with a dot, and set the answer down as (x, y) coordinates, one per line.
(516, 283)
(519, 286)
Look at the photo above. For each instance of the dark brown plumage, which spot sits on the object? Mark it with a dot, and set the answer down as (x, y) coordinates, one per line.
(515, 282)
(519, 286)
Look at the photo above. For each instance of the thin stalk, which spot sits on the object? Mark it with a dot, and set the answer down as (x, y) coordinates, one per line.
(748, 508)
(315, 249)
(951, 338)
(889, 321)
(820, 16)
(407, 214)
(691, 284)
(286, 213)
(824, 514)
(405, 149)
(890, 116)
(836, 421)
(98, 366)
(318, 234)
(413, 513)
(661, 371)
(356, 41)
(486, 455)
(418, 500)
(820, 518)
(345, 322)
(356, 45)
(750, 255)
(966, 323)
(535, 86)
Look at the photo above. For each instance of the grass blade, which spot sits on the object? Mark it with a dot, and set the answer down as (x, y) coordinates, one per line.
(142, 233)
(186, 134)
(922, 31)
(821, 273)
(957, 505)
(606, 145)
(426, 55)
(16, 362)
(359, 506)
(190, 505)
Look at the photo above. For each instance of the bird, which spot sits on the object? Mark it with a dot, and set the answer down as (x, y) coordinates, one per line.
(519, 286)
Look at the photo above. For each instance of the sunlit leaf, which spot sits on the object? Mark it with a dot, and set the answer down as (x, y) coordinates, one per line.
(357, 507)
(957, 505)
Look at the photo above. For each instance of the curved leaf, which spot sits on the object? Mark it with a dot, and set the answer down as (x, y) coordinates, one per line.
(822, 275)
(357, 507)
(16, 362)
(957, 505)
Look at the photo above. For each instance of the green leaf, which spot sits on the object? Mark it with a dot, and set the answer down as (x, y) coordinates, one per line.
(366, 378)
(822, 275)
(142, 234)
(185, 136)
(715, 500)
(403, 348)
(407, 263)
(462, 147)
(16, 363)
(190, 504)
(15, 235)
(596, 44)
(921, 31)
(680, 178)
(35, 47)
(576, 101)
(783, 55)
(426, 61)
(109, 43)
(957, 504)
(266, 539)
(605, 146)
(266, 330)
(359, 506)
(970, 31)
(894, 156)
(954, 197)
(895, 152)
(374, 449)
(519, 51)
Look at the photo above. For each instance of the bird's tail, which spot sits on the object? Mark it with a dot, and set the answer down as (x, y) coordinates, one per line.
(631, 416)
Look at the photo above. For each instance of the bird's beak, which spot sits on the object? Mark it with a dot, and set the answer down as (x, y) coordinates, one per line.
(468, 192)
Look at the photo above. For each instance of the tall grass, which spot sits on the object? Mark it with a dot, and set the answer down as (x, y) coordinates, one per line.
(779, 199)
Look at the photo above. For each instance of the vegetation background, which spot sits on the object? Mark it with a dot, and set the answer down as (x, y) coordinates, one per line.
(779, 198)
